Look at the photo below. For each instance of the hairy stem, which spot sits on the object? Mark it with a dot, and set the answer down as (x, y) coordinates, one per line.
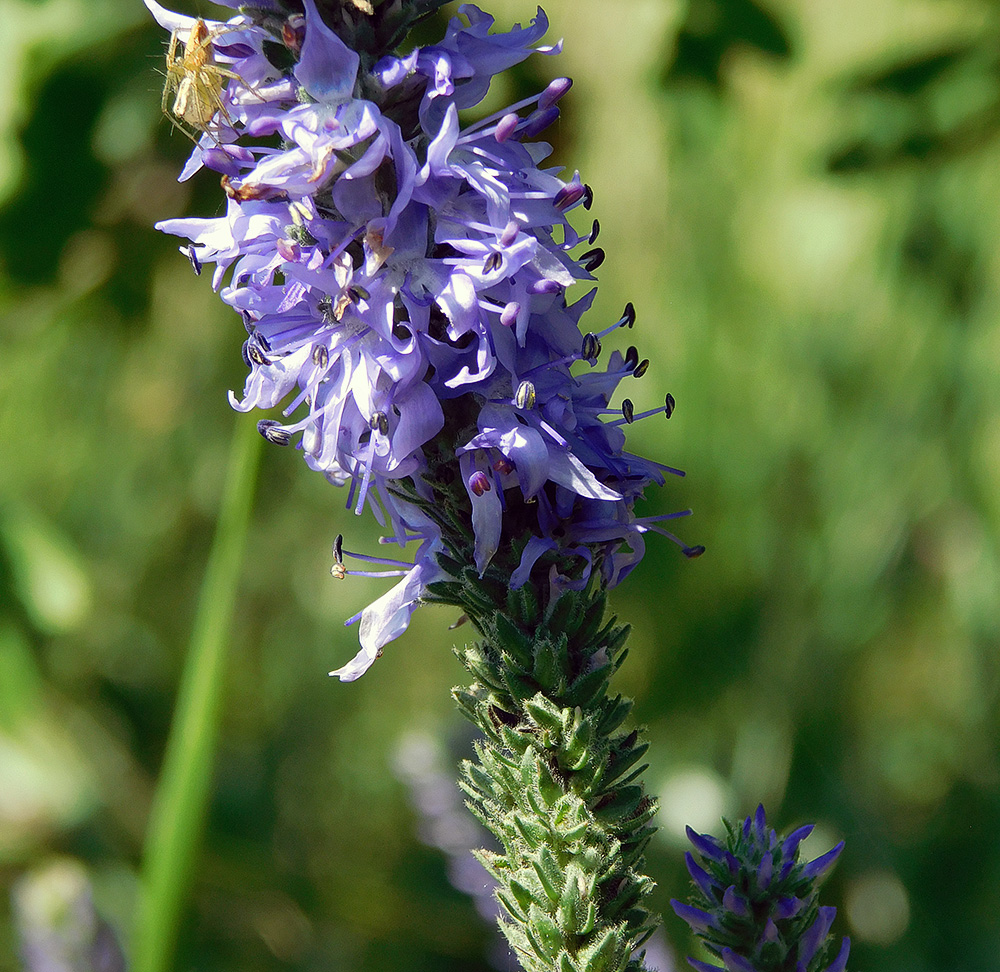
(554, 777)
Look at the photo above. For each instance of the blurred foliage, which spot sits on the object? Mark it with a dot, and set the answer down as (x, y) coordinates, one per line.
(803, 201)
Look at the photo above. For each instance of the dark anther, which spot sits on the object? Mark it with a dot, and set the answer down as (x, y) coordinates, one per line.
(320, 355)
(493, 262)
(628, 409)
(325, 307)
(249, 321)
(591, 350)
(588, 197)
(256, 355)
(273, 432)
(592, 259)
(189, 252)
(669, 405)
(631, 357)
(338, 570)
(641, 368)
(629, 314)
(479, 483)
(356, 292)
(525, 396)
(595, 232)
(293, 33)
(380, 421)
(692, 552)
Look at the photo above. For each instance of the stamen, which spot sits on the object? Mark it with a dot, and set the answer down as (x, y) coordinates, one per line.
(508, 316)
(568, 196)
(380, 421)
(506, 127)
(594, 232)
(640, 369)
(629, 418)
(669, 406)
(538, 121)
(545, 286)
(626, 320)
(493, 262)
(288, 250)
(631, 358)
(591, 350)
(338, 570)
(189, 252)
(524, 397)
(509, 233)
(592, 259)
(554, 92)
(274, 432)
(385, 561)
(628, 411)
(320, 356)
(479, 483)
(256, 356)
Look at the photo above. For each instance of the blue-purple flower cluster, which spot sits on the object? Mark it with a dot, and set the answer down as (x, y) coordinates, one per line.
(402, 282)
(757, 907)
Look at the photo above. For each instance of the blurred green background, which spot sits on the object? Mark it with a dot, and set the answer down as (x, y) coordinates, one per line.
(802, 198)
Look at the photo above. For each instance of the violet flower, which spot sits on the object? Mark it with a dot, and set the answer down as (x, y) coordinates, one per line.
(402, 281)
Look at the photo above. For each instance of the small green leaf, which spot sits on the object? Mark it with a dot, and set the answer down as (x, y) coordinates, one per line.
(522, 895)
(545, 670)
(565, 964)
(608, 953)
(511, 639)
(549, 873)
(544, 713)
(543, 929)
(531, 831)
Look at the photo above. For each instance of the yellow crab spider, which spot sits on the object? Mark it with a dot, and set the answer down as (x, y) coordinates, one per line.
(195, 81)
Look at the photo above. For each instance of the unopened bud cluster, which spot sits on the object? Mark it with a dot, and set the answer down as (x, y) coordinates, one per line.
(755, 906)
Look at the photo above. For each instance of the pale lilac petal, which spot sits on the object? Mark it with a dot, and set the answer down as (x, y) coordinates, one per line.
(327, 68)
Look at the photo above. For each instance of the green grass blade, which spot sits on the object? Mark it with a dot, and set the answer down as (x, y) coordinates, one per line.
(178, 812)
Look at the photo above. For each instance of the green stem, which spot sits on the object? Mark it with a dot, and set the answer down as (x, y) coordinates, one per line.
(178, 811)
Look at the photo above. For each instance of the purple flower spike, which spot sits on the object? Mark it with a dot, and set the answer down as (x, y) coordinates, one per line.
(768, 918)
(403, 283)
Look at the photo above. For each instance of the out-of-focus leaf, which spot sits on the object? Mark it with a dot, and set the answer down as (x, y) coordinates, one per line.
(48, 574)
(711, 28)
